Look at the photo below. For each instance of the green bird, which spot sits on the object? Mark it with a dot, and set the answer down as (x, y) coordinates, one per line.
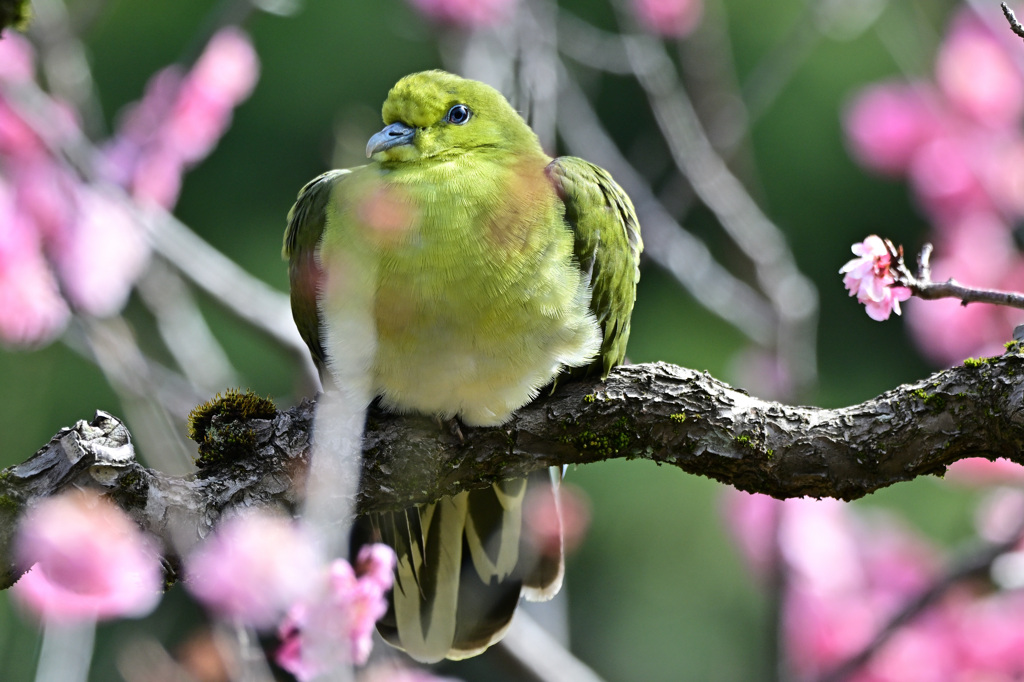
(456, 275)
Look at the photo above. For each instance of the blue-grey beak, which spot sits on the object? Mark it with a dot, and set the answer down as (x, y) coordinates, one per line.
(393, 135)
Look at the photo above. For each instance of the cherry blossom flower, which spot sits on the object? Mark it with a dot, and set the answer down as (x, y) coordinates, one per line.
(556, 523)
(887, 124)
(253, 568)
(68, 245)
(89, 561)
(466, 13)
(975, 69)
(181, 118)
(869, 278)
(846, 574)
(345, 613)
(32, 310)
(669, 18)
(958, 140)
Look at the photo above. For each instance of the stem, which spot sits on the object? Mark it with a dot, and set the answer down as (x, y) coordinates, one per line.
(67, 652)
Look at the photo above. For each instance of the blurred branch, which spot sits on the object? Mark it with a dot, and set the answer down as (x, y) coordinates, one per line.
(792, 295)
(657, 411)
(539, 656)
(680, 253)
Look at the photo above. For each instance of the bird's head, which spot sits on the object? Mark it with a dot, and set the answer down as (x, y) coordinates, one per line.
(433, 114)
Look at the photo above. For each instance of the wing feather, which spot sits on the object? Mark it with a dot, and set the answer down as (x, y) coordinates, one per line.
(607, 247)
(306, 222)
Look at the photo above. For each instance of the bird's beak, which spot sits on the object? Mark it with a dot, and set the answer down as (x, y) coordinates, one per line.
(393, 135)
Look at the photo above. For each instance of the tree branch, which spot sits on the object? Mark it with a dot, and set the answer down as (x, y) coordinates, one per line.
(922, 285)
(657, 411)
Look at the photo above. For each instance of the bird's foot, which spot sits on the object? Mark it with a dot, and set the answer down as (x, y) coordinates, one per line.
(453, 426)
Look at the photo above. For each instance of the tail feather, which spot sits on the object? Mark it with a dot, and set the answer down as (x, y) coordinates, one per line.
(463, 563)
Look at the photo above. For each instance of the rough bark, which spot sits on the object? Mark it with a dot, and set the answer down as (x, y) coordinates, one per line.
(658, 411)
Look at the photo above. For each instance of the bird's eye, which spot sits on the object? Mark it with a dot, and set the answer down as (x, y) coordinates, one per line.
(458, 114)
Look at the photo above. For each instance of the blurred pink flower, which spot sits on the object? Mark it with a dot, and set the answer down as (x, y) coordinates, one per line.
(669, 18)
(224, 76)
(376, 563)
(945, 174)
(869, 278)
(975, 471)
(31, 308)
(345, 613)
(180, 118)
(960, 144)
(102, 255)
(89, 560)
(977, 73)
(466, 13)
(556, 522)
(887, 123)
(846, 574)
(65, 243)
(17, 58)
(990, 636)
(998, 516)
(253, 568)
(753, 521)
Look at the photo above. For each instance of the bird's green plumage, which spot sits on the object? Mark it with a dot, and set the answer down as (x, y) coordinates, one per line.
(484, 268)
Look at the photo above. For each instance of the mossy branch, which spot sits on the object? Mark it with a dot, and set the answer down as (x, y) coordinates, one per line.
(658, 411)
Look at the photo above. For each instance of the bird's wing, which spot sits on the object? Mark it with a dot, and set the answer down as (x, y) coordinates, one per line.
(306, 221)
(607, 246)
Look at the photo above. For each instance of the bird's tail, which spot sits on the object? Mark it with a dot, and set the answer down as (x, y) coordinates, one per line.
(463, 563)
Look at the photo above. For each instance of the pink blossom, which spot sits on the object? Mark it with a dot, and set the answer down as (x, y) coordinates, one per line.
(975, 471)
(88, 561)
(888, 122)
(224, 76)
(32, 310)
(869, 278)
(253, 568)
(978, 75)
(376, 563)
(466, 13)
(999, 513)
(669, 18)
(846, 574)
(946, 176)
(180, 118)
(556, 520)
(17, 138)
(17, 58)
(103, 254)
(228, 69)
(753, 521)
(342, 616)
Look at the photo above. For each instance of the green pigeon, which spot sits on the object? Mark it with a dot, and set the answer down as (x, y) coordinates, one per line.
(456, 275)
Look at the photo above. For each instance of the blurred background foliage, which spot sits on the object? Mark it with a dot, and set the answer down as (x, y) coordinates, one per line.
(657, 592)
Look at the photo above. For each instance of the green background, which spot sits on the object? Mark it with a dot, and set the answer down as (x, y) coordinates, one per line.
(658, 591)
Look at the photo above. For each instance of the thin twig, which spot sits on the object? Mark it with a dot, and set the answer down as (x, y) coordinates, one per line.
(922, 285)
(1015, 25)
